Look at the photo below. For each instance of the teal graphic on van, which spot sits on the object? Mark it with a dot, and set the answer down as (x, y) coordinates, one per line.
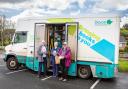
(109, 21)
(103, 22)
(101, 46)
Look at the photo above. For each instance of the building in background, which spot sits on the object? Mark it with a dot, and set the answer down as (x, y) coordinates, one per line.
(123, 42)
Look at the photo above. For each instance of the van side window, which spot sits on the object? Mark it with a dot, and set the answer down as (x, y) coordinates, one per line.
(20, 37)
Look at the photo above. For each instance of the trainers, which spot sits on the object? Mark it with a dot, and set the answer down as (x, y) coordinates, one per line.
(64, 80)
(60, 78)
(38, 76)
(44, 76)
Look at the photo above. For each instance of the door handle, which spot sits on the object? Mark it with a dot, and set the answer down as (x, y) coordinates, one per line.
(24, 48)
(31, 52)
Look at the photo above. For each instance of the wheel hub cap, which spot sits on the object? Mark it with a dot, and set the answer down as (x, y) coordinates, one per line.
(83, 71)
(12, 63)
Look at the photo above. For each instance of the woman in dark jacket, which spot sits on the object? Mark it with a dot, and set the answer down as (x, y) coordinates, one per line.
(54, 52)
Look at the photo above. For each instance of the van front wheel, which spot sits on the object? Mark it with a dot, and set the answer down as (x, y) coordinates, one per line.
(12, 63)
(84, 72)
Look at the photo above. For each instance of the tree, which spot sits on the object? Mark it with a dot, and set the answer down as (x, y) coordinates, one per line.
(126, 49)
(8, 34)
(2, 26)
(125, 26)
(124, 32)
(6, 30)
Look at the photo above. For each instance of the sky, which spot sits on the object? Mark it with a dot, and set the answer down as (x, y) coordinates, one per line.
(14, 9)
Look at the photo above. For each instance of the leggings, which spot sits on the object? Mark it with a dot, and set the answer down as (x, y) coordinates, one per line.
(45, 65)
(64, 69)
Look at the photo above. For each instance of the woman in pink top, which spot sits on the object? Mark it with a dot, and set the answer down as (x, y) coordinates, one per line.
(65, 55)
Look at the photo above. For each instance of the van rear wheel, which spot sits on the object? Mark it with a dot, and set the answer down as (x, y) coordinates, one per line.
(12, 63)
(84, 72)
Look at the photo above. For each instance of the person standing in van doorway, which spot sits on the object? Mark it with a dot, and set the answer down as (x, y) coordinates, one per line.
(54, 52)
(42, 58)
(58, 39)
(65, 61)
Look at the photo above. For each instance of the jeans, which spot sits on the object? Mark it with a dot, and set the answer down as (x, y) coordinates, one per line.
(40, 67)
(54, 68)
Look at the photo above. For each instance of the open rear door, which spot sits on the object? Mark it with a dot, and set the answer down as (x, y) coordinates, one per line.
(40, 34)
(71, 38)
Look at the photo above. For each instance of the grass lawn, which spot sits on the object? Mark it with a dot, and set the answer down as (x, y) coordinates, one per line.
(123, 65)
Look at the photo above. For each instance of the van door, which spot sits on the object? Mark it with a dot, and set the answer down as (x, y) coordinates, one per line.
(71, 38)
(40, 34)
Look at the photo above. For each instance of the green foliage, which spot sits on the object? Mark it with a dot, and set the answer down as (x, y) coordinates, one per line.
(121, 50)
(127, 42)
(126, 49)
(7, 35)
(123, 65)
(125, 26)
(1, 48)
(124, 32)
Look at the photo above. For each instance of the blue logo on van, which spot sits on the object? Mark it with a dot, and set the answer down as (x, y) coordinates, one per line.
(103, 22)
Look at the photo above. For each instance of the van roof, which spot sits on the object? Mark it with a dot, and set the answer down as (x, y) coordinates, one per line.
(79, 16)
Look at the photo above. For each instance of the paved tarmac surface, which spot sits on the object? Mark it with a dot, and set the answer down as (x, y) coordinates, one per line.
(26, 79)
